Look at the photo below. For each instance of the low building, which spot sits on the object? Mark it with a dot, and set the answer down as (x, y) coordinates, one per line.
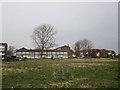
(71, 53)
(97, 53)
(3, 50)
(36, 54)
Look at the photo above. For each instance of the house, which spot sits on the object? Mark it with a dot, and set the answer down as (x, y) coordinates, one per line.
(36, 53)
(111, 53)
(71, 53)
(97, 53)
(3, 50)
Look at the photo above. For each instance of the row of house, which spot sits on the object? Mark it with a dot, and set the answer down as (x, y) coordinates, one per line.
(97, 53)
(36, 54)
(60, 52)
(64, 52)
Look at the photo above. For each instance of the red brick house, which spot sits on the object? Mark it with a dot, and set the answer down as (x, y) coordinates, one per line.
(71, 53)
(97, 53)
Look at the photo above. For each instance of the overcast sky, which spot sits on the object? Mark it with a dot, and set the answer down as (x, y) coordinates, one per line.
(97, 22)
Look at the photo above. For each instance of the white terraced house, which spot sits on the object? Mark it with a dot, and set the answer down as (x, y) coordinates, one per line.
(36, 54)
(3, 50)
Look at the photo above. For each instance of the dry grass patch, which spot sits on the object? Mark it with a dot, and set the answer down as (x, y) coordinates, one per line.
(3, 65)
(0, 64)
(35, 68)
(108, 60)
(0, 72)
(94, 59)
(55, 65)
(67, 83)
(80, 66)
(0, 68)
(16, 70)
(87, 64)
(85, 86)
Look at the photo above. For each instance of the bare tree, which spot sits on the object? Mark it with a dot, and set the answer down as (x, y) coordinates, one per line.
(43, 36)
(11, 51)
(82, 45)
(86, 44)
(77, 47)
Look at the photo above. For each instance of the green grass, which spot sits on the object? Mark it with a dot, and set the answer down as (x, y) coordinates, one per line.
(65, 73)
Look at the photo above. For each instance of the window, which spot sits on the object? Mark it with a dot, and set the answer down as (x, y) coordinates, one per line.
(23, 52)
(27, 52)
(49, 52)
(37, 56)
(61, 52)
(32, 56)
(0, 46)
(0, 53)
(2, 49)
(58, 52)
(53, 52)
(36, 52)
(65, 52)
(81, 53)
(44, 52)
(18, 52)
(31, 52)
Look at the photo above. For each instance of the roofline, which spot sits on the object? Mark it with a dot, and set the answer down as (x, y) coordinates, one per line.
(36, 50)
(97, 49)
(62, 46)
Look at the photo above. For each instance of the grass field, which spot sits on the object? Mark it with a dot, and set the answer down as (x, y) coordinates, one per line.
(64, 73)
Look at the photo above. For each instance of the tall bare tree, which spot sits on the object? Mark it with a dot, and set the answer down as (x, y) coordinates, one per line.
(82, 45)
(43, 36)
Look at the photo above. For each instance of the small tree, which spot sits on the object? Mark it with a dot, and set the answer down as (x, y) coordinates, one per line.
(43, 37)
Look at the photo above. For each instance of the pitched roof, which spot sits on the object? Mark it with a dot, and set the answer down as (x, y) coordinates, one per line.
(98, 50)
(63, 46)
(38, 50)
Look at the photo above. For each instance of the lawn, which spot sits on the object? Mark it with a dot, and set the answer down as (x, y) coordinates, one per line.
(64, 73)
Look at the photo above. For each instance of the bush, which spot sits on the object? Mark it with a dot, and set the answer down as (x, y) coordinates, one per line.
(12, 58)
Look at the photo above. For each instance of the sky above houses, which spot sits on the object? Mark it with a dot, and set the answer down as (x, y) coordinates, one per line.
(96, 21)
